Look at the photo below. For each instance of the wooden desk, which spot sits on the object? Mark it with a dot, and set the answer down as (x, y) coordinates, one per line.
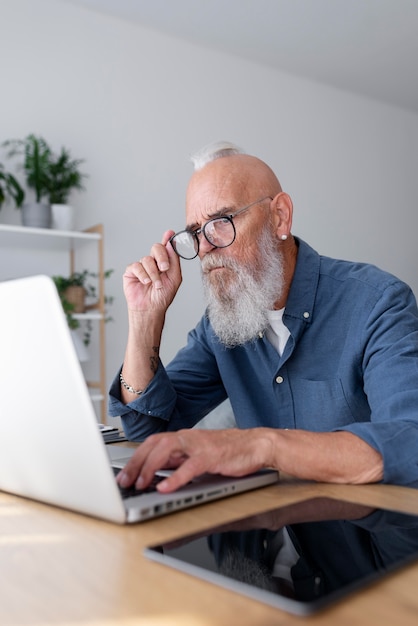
(58, 567)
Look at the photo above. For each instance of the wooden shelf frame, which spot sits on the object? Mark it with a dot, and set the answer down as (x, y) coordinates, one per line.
(71, 241)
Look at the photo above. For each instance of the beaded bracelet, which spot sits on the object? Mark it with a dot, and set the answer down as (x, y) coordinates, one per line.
(129, 388)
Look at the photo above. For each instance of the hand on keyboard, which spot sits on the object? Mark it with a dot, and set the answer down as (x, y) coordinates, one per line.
(129, 492)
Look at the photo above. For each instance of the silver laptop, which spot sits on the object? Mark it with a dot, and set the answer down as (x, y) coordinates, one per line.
(51, 448)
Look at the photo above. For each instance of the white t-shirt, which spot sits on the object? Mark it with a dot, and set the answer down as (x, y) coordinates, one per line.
(277, 333)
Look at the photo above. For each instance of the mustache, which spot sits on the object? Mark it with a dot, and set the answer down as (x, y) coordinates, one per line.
(213, 260)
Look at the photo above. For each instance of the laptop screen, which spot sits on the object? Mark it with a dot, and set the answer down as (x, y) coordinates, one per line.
(299, 558)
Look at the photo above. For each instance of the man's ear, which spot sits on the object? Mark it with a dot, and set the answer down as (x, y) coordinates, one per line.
(282, 208)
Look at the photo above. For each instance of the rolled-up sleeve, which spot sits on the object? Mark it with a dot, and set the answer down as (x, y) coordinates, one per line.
(177, 397)
(390, 366)
(147, 413)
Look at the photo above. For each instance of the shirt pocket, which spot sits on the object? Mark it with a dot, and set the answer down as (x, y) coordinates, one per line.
(320, 405)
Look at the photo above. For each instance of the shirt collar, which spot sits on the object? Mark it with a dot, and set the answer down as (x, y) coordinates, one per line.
(301, 298)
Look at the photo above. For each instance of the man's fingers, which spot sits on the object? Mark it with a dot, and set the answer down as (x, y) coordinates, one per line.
(157, 452)
(166, 237)
(150, 272)
(183, 475)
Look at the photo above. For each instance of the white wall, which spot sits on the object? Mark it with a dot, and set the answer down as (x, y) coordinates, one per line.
(135, 103)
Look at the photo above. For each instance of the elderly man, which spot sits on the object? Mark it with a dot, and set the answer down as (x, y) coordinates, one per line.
(318, 357)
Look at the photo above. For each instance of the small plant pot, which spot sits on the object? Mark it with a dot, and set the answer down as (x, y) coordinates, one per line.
(36, 215)
(76, 296)
(62, 216)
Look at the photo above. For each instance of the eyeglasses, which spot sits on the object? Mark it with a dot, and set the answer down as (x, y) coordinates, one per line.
(219, 232)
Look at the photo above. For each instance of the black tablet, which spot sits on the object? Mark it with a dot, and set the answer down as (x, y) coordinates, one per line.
(299, 558)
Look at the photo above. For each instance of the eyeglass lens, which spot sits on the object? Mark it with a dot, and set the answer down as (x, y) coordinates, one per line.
(220, 232)
(185, 244)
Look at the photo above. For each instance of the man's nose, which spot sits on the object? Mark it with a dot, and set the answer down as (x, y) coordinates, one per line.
(204, 246)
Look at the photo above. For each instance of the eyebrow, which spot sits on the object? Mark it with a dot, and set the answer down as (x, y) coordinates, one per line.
(210, 216)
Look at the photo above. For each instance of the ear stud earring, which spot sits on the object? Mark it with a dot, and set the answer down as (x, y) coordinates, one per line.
(283, 237)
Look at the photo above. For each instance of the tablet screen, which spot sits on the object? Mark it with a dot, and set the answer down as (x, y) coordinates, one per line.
(301, 557)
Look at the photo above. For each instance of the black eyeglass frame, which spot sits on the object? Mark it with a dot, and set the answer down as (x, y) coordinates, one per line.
(195, 233)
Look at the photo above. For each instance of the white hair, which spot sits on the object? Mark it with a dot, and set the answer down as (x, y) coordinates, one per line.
(213, 151)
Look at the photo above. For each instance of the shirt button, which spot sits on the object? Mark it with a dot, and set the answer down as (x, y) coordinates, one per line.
(306, 315)
(279, 380)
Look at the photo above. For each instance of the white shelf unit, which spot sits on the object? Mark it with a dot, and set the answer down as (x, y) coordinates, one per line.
(26, 243)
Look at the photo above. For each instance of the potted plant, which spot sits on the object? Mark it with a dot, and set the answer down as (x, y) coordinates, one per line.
(52, 177)
(73, 291)
(64, 176)
(36, 161)
(10, 188)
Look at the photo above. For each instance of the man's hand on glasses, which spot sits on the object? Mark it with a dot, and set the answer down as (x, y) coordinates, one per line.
(151, 283)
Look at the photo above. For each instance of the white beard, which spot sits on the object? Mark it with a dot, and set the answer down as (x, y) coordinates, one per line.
(239, 297)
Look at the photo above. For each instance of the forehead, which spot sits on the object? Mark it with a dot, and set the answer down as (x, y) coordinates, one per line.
(227, 183)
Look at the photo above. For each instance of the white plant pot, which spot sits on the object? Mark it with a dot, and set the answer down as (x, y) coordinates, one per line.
(62, 217)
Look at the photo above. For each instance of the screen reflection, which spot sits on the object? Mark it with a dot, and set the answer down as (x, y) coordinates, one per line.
(300, 557)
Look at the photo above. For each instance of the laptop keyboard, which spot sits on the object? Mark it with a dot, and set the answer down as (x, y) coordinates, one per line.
(130, 492)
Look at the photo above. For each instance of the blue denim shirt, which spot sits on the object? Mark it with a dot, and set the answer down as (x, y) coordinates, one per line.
(350, 363)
